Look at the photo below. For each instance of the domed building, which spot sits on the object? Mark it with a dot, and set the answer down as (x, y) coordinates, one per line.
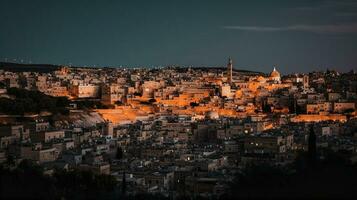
(275, 76)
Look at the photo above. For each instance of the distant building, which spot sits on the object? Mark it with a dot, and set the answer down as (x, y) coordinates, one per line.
(225, 91)
(46, 136)
(113, 93)
(270, 144)
(57, 91)
(333, 96)
(148, 88)
(108, 129)
(316, 108)
(343, 106)
(85, 91)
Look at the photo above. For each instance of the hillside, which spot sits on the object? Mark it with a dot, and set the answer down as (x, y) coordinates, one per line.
(16, 67)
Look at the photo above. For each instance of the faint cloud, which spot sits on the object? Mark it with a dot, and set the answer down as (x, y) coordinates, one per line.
(333, 29)
(352, 3)
(328, 4)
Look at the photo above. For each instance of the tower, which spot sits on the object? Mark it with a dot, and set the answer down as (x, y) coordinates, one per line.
(229, 71)
(306, 81)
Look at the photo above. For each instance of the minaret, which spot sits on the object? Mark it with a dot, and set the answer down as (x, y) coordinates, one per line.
(229, 71)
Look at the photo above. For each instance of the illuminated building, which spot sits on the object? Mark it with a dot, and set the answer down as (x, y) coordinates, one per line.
(113, 93)
(85, 91)
(275, 76)
(306, 81)
(57, 91)
(148, 88)
(225, 91)
(343, 106)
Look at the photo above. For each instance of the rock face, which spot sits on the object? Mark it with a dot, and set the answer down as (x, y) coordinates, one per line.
(80, 119)
(87, 119)
(124, 114)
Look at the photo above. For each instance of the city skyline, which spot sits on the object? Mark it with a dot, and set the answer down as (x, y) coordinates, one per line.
(178, 99)
(298, 36)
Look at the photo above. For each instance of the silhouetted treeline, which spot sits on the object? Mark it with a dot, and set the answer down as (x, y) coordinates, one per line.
(32, 102)
(28, 181)
(332, 178)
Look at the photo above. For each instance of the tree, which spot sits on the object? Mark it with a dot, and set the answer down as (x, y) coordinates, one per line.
(193, 104)
(350, 110)
(123, 186)
(348, 113)
(137, 94)
(119, 154)
(266, 108)
(312, 147)
(118, 103)
(152, 100)
(10, 160)
(283, 182)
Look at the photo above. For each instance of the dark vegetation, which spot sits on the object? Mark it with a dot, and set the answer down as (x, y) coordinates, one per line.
(119, 153)
(118, 103)
(294, 108)
(33, 102)
(28, 181)
(26, 101)
(152, 100)
(266, 108)
(332, 178)
(92, 104)
(194, 104)
(149, 102)
(137, 94)
(307, 178)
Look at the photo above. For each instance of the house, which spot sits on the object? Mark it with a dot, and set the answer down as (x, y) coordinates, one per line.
(47, 136)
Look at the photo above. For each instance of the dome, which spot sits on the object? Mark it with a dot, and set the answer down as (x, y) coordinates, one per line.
(274, 73)
(212, 115)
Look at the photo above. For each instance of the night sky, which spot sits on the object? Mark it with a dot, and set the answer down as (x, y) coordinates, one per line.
(296, 36)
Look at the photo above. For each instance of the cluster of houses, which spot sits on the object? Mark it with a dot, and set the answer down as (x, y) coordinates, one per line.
(177, 131)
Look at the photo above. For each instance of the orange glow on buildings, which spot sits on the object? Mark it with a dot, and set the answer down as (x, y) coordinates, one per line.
(318, 118)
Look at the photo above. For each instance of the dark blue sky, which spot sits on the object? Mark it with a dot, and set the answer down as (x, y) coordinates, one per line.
(297, 36)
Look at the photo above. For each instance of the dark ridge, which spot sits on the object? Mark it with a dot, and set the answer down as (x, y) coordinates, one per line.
(235, 70)
(246, 72)
(47, 68)
(16, 67)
